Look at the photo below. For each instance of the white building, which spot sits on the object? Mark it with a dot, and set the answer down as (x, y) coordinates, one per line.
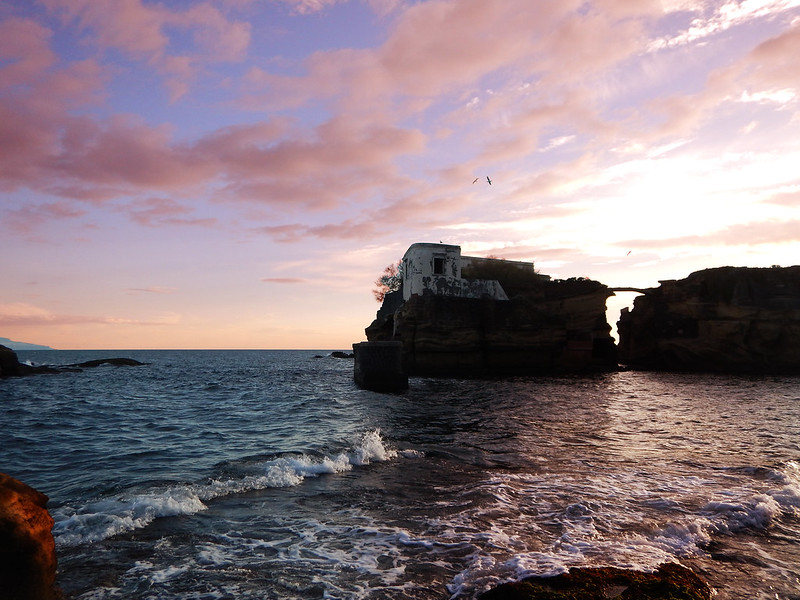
(437, 268)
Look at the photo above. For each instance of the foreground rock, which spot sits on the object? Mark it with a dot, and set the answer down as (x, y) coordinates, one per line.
(728, 319)
(11, 367)
(670, 582)
(27, 548)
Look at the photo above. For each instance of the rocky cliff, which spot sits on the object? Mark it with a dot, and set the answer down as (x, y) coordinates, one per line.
(546, 326)
(728, 319)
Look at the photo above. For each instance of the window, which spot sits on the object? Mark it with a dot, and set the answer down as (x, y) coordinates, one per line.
(438, 265)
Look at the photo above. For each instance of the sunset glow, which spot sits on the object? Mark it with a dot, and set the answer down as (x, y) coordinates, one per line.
(237, 173)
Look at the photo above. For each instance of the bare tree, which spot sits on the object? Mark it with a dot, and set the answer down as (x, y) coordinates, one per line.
(390, 281)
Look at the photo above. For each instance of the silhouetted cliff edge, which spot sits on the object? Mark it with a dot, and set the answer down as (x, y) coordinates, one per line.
(545, 326)
(728, 319)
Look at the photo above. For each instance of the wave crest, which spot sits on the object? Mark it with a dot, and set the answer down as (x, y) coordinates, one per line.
(108, 517)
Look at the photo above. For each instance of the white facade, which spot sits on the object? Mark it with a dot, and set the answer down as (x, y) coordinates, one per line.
(436, 268)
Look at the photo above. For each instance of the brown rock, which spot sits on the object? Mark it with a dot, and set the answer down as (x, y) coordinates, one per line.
(27, 548)
(669, 582)
(728, 319)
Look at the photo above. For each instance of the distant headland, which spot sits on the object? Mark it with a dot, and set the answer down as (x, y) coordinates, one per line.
(13, 345)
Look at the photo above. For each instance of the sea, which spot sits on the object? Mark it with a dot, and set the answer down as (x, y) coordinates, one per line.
(210, 475)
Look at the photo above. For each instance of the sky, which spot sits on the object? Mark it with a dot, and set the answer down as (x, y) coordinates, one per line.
(238, 173)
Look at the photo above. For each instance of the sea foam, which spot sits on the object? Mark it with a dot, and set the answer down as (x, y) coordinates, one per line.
(107, 517)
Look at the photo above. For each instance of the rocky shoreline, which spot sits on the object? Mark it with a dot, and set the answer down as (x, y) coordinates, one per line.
(28, 564)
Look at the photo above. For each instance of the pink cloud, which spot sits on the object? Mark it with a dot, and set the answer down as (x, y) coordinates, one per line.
(776, 62)
(304, 7)
(283, 280)
(438, 57)
(20, 314)
(141, 29)
(143, 32)
(155, 212)
(791, 199)
(24, 46)
(743, 234)
(153, 289)
(770, 66)
(416, 211)
(126, 151)
(348, 230)
(26, 219)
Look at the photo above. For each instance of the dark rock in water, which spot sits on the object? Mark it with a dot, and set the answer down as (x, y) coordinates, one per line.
(9, 363)
(117, 362)
(11, 367)
(670, 582)
(378, 366)
(27, 548)
(728, 319)
(338, 354)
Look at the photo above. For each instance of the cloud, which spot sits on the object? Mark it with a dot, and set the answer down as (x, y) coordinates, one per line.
(547, 80)
(765, 74)
(283, 280)
(144, 32)
(37, 93)
(730, 14)
(295, 232)
(741, 234)
(155, 212)
(24, 48)
(153, 289)
(28, 218)
(20, 314)
(304, 7)
(790, 198)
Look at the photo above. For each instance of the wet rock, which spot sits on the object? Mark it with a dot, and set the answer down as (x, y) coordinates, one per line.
(728, 319)
(670, 582)
(11, 367)
(27, 548)
(117, 362)
(9, 364)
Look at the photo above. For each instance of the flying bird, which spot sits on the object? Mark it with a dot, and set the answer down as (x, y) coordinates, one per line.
(489, 180)
(476, 179)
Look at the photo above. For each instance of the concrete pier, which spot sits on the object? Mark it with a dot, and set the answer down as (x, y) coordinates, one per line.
(379, 366)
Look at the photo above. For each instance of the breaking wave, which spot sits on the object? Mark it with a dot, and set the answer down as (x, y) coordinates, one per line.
(107, 517)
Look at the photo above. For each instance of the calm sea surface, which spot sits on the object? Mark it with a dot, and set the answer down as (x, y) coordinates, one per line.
(268, 474)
